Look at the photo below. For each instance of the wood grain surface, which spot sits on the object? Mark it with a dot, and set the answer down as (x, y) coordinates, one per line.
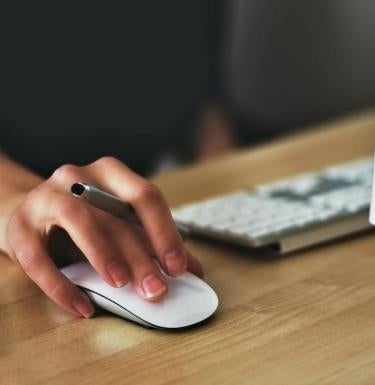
(308, 318)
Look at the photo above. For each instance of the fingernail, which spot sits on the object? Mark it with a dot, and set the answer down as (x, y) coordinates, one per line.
(176, 263)
(117, 273)
(83, 306)
(153, 286)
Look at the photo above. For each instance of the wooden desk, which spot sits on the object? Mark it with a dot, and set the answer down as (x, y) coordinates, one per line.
(305, 319)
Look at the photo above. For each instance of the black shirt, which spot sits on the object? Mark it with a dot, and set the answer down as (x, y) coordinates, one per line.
(79, 82)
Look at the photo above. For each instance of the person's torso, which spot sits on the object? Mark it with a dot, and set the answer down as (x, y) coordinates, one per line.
(81, 82)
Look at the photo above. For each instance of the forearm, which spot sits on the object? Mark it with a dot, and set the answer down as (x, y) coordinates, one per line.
(15, 182)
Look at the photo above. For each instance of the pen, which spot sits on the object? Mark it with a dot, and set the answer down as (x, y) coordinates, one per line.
(111, 204)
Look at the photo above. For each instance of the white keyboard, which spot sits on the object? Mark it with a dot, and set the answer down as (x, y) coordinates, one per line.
(289, 214)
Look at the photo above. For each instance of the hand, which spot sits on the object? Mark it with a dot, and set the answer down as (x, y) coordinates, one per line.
(119, 251)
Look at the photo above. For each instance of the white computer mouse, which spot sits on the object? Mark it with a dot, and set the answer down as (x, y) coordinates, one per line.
(189, 299)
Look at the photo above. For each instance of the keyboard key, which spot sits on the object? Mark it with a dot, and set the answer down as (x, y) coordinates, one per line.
(286, 206)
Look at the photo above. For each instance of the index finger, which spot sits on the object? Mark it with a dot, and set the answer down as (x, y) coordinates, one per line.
(32, 255)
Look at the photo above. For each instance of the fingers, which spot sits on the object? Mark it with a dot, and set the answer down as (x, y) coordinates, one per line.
(151, 208)
(67, 174)
(193, 264)
(30, 252)
(54, 208)
(147, 278)
(112, 175)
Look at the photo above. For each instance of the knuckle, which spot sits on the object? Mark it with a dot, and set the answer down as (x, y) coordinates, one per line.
(106, 161)
(147, 191)
(66, 172)
(28, 259)
(32, 196)
(34, 201)
(168, 234)
(141, 265)
(56, 289)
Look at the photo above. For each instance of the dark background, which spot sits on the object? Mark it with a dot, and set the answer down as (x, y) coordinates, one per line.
(130, 79)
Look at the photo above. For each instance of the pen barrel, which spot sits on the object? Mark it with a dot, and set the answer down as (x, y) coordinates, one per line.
(111, 204)
(107, 202)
